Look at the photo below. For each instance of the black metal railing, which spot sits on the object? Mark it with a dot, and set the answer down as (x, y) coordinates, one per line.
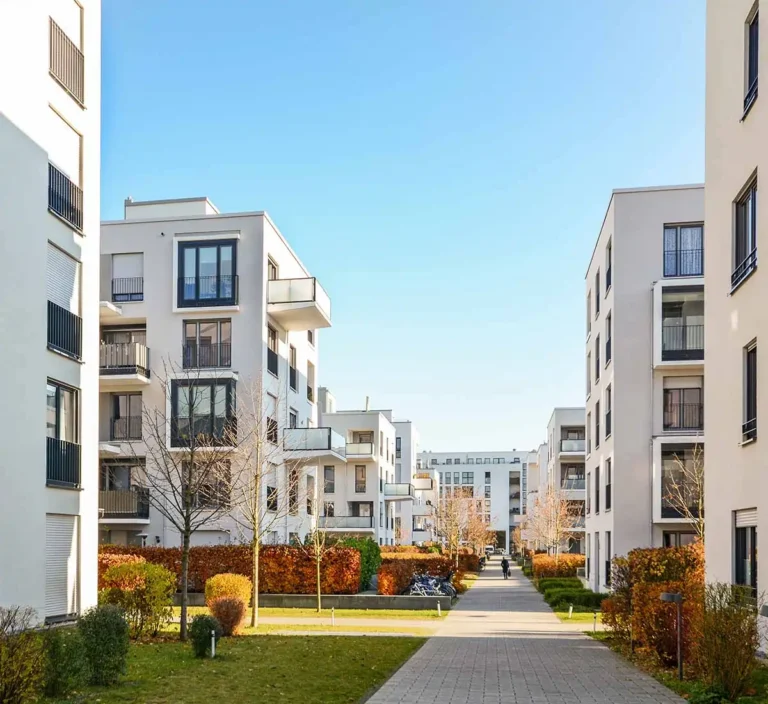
(684, 416)
(204, 431)
(751, 95)
(608, 278)
(200, 291)
(123, 358)
(744, 268)
(293, 377)
(749, 429)
(272, 361)
(360, 487)
(128, 289)
(607, 423)
(310, 393)
(608, 350)
(66, 63)
(62, 461)
(671, 509)
(682, 342)
(128, 428)
(65, 198)
(65, 331)
(684, 262)
(198, 356)
(124, 503)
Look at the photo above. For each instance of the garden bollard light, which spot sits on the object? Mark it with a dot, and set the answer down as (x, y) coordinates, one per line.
(570, 611)
(439, 613)
(594, 622)
(333, 615)
(676, 598)
(213, 644)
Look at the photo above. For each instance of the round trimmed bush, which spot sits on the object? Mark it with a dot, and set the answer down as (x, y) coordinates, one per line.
(235, 586)
(230, 613)
(200, 634)
(66, 667)
(105, 639)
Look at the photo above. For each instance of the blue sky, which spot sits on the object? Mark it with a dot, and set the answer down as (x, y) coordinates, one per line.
(442, 167)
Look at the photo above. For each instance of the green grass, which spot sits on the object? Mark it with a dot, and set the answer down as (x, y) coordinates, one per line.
(292, 670)
(267, 628)
(579, 617)
(392, 614)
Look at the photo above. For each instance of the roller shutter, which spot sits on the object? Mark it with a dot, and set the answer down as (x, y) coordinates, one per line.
(63, 280)
(746, 517)
(62, 567)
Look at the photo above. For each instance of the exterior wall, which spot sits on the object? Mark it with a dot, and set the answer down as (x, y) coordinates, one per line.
(735, 148)
(634, 224)
(27, 95)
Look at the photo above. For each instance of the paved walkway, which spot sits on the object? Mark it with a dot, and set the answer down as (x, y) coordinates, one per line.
(503, 645)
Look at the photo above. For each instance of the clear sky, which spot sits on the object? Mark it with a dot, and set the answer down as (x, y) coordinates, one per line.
(442, 167)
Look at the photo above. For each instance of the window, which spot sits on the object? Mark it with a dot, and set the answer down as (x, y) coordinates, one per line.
(207, 343)
(61, 413)
(597, 489)
(457, 460)
(127, 277)
(310, 494)
(293, 491)
(310, 382)
(608, 412)
(449, 461)
(272, 361)
(467, 477)
(293, 373)
(433, 462)
(456, 476)
(589, 373)
(679, 463)
(745, 235)
(753, 35)
(311, 337)
(207, 273)
(360, 479)
(608, 334)
(272, 431)
(447, 478)
(293, 418)
(597, 359)
(589, 433)
(683, 250)
(487, 460)
(515, 460)
(588, 494)
(202, 410)
(329, 477)
(608, 473)
(682, 323)
(498, 460)
(607, 558)
(470, 460)
(749, 426)
(678, 539)
(328, 509)
(487, 492)
(683, 408)
(272, 498)
(125, 421)
(597, 424)
(209, 482)
(745, 571)
(487, 477)
(608, 267)
(271, 270)
(62, 566)
(63, 291)
(589, 313)
(398, 447)
(597, 293)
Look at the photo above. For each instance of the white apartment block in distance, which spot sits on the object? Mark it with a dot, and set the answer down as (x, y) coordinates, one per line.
(50, 105)
(736, 487)
(498, 479)
(536, 481)
(645, 370)
(220, 303)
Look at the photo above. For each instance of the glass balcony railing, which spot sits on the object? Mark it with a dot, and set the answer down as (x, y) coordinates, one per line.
(345, 522)
(359, 449)
(313, 440)
(306, 290)
(404, 490)
(572, 445)
(573, 485)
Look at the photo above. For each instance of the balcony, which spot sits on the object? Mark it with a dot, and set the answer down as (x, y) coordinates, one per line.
(346, 523)
(208, 291)
(65, 331)
(299, 304)
(127, 290)
(212, 356)
(421, 536)
(123, 366)
(682, 342)
(398, 492)
(572, 485)
(123, 429)
(423, 483)
(66, 63)
(572, 448)
(422, 509)
(314, 443)
(65, 198)
(62, 460)
(124, 505)
(360, 451)
(684, 416)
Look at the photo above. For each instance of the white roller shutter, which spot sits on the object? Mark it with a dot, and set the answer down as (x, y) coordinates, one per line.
(63, 280)
(746, 517)
(62, 567)
(127, 266)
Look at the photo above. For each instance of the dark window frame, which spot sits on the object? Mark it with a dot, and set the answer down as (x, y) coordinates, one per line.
(217, 354)
(185, 277)
(752, 51)
(680, 261)
(60, 386)
(608, 482)
(744, 234)
(749, 424)
(229, 417)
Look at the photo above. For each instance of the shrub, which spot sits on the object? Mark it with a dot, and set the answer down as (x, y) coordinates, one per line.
(469, 563)
(458, 581)
(108, 559)
(235, 586)
(144, 592)
(557, 565)
(560, 599)
(370, 557)
(558, 583)
(397, 570)
(105, 639)
(229, 611)
(200, 634)
(726, 639)
(22, 656)
(66, 666)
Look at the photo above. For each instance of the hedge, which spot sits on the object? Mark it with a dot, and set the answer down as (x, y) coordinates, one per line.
(370, 558)
(560, 599)
(557, 565)
(558, 583)
(397, 570)
(283, 569)
(110, 559)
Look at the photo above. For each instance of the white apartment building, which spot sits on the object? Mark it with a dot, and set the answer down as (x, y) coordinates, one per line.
(536, 479)
(736, 493)
(496, 478)
(645, 369)
(415, 521)
(215, 304)
(50, 97)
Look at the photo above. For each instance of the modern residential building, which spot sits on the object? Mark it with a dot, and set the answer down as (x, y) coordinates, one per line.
(645, 370)
(415, 521)
(736, 493)
(199, 304)
(498, 481)
(49, 236)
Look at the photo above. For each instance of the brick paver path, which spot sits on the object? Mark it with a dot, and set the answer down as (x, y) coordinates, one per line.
(503, 645)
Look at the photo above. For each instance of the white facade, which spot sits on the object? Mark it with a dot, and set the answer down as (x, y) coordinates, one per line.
(49, 235)
(736, 493)
(645, 369)
(191, 292)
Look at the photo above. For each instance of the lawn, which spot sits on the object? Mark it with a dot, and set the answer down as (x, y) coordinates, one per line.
(267, 628)
(579, 617)
(293, 670)
(401, 614)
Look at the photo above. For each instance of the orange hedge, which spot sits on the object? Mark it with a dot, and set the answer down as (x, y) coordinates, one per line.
(111, 559)
(557, 565)
(397, 570)
(283, 569)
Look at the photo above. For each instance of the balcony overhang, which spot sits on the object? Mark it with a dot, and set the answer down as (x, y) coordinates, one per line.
(299, 304)
(398, 492)
(423, 484)
(313, 445)
(360, 451)
(109, 312)
(422, 510)
(109, 449)
(421, 536)
(123, 380)
(126, 521)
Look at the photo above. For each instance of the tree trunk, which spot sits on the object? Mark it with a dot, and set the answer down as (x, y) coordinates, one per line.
(318, 559)
(184, 584)
(255, 610)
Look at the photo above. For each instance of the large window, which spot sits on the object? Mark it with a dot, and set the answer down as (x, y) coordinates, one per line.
(272, 351)
(608, 481)
(749, 426)
(597, 359)
(125, 422)
(682, 323)
(61, 414)
(597, 489)
(202, 412)
(293, 372)
(608, 412)
(678, 538)
(680, 492)
(608, 266)
(597, 293)
(753, 38)
(360, 479)
(329, 477)
(207, 343)
(398, 447)
(608, 337)
(745, 235)
(210, 483)
(683, 409)
(272, 498)
(745, 555)
(683, 250)
(597, 424)
(207, 273)
(467, 477)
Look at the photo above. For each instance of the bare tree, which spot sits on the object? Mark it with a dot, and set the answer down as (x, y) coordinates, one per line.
(317, 543)
(554, 520)
(189, 451)
(461, 521)
(683, 489)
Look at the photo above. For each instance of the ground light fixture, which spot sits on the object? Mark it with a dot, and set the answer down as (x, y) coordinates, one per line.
(677, 598)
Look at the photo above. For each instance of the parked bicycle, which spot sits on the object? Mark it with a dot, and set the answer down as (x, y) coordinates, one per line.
(427, 585)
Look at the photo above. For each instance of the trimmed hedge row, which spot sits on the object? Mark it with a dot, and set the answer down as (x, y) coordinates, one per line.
(557, 565)
(109, 559)
(397, 570)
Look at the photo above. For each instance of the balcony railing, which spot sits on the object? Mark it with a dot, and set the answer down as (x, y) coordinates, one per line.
(345, 522)
(65, 331)
(66, 63)
(62, 461)
(398, 490)
(607, 424)
(65, 198)
(684, 262)
(128, 428)
(608, 350)
(682, 342)
(123, 358)
(208, 356)
(299, 291)
(204, 431)
(128, 289)
(744, 268)
(608, 278)
(671, 509)
(579, 522)
(201, 291)
(313, 440)
(572, 484)
(684, 416)
(749, 429)
(572, 445)
(360, 487)
(359, 448)
(124, 503)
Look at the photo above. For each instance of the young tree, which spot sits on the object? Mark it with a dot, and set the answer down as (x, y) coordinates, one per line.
(683, 489)
(554, 520)
(317, 542)
(188, 467)
(460, 521)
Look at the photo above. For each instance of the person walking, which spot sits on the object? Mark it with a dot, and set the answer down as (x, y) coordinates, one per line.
(505, 566)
